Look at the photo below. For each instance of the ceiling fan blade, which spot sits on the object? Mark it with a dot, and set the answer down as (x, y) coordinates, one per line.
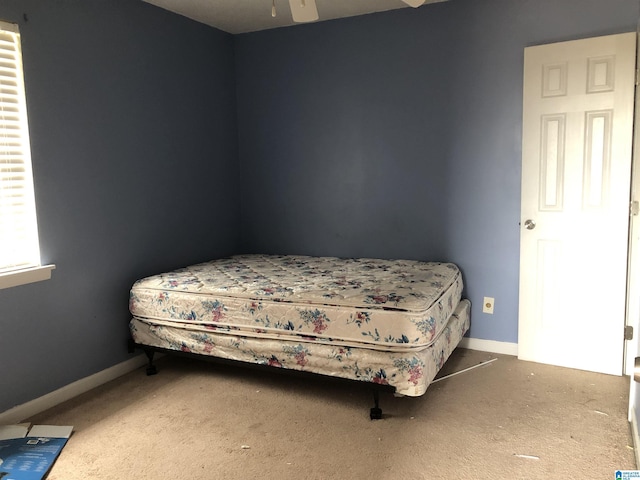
(304, 10)
(414, 3)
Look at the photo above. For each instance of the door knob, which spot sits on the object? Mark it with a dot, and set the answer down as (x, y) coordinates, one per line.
(530, 224)
(636, 370)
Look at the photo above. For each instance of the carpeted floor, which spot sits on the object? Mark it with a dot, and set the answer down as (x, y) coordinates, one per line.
(196, 420)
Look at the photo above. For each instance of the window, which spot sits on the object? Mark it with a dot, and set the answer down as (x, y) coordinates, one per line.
(19, 244)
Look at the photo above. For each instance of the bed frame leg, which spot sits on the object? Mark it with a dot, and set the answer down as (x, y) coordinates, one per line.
(151, 368)
(376, 411)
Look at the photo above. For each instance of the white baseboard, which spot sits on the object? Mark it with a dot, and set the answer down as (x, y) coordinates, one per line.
(492, 346)
(29, 409)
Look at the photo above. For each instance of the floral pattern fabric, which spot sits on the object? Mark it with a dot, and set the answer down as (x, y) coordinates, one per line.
(392, 305)
(409, 372)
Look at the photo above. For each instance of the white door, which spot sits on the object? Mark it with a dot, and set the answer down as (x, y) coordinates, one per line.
(576, 168)
(633, 285)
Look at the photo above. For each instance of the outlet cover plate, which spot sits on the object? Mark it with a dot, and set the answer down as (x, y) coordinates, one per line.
(487, 305)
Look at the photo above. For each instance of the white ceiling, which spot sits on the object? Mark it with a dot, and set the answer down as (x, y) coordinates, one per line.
(241, 16)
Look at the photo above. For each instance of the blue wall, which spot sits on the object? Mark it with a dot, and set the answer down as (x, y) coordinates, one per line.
(341, 150)
(399, 135)
(131, 114)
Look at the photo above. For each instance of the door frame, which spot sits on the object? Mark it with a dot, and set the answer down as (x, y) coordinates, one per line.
(632, 347)
(633, 262)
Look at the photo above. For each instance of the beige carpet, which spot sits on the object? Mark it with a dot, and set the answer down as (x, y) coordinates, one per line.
(195, 420)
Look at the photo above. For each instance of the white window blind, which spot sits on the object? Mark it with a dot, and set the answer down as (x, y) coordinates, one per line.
(19, 246)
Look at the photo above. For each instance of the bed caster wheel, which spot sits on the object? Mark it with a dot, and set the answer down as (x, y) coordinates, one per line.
(376, 413)
(151, 368)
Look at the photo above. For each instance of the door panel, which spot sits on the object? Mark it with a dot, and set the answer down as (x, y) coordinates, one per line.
(577, 137)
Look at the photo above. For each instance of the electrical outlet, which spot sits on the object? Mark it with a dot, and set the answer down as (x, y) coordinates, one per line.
(487, 306)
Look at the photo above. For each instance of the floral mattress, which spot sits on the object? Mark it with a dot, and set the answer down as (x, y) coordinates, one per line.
(387, 305)
(410, 372)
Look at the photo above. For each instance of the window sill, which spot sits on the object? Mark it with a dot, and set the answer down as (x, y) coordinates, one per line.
(26, 275)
